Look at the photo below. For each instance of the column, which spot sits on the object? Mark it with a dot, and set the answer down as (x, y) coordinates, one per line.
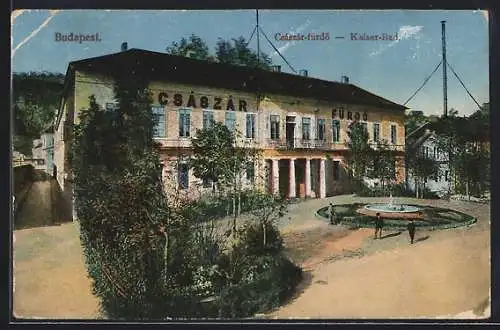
(322, 179)
(276, 176)
(291, 180)
(308, 177)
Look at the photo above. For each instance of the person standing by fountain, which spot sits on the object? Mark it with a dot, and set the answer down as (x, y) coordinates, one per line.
(331, 213)
(379, 225)
(411, 230)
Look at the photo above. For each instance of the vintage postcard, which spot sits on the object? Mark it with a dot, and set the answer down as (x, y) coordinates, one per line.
(257, 164)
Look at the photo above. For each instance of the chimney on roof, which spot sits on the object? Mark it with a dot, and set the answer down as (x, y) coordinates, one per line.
(276, 68)
(303, 73)
(344, 79)
(124, 46)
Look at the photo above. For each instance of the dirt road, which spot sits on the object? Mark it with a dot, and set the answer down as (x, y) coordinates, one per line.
(50, 279)
(445, 276)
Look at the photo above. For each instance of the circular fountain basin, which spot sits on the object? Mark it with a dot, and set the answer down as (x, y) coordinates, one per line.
(392, 208)
(392, 211)
(355, 215)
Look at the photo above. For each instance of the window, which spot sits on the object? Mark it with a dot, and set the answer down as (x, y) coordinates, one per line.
(184, 122)
(321, 129)
(159, 119)
(434, 152)
(336, 130)
(376, 132)
(183, 176)
(446, 176)
(250, 171)
(365, 126)
(336, 170)
(230, 121)
(208, 119)
(250, 126)
(275, 127)
(306, 128)
(393, 134)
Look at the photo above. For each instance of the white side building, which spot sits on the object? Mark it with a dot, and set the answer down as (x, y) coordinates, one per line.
(428, 146)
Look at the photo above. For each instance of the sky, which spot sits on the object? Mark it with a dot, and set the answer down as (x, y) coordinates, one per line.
(393, 69)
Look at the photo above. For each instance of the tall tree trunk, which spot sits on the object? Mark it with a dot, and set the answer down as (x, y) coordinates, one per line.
(228, 192)
(239, 197)
(234, 206)
(239, 203)
(467, 189)
(264, 234)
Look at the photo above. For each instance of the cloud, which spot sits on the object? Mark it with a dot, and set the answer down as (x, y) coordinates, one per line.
(288, 44)
(405, 32)
(52, 13)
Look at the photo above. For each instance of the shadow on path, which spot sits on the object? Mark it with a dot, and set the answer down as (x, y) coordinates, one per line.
(43, 206)
(307, 280)
(391, 235)
(421, 239)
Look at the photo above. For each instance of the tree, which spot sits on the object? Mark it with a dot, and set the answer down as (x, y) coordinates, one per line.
(383, 163)
(131, 238)
(212, 148)
(36, 97)
(217, 157)
(234, 52)
(422, 168)
(413, 120)
(267, 209)
(359, 150)
(238, 53)
(194, 47)
(466, 141)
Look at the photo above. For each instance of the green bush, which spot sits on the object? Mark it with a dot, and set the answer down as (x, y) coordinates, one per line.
(253, 243)
(266, 282)
(216, 207)
(261, 277)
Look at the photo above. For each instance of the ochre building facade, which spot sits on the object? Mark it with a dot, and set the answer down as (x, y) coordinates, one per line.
(302, 139)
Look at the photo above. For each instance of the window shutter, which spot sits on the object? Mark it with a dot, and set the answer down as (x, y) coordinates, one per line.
(283, 126)
(268, 127)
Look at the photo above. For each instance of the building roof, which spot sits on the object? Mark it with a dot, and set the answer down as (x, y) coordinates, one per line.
(421, 140)
(181, 69)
